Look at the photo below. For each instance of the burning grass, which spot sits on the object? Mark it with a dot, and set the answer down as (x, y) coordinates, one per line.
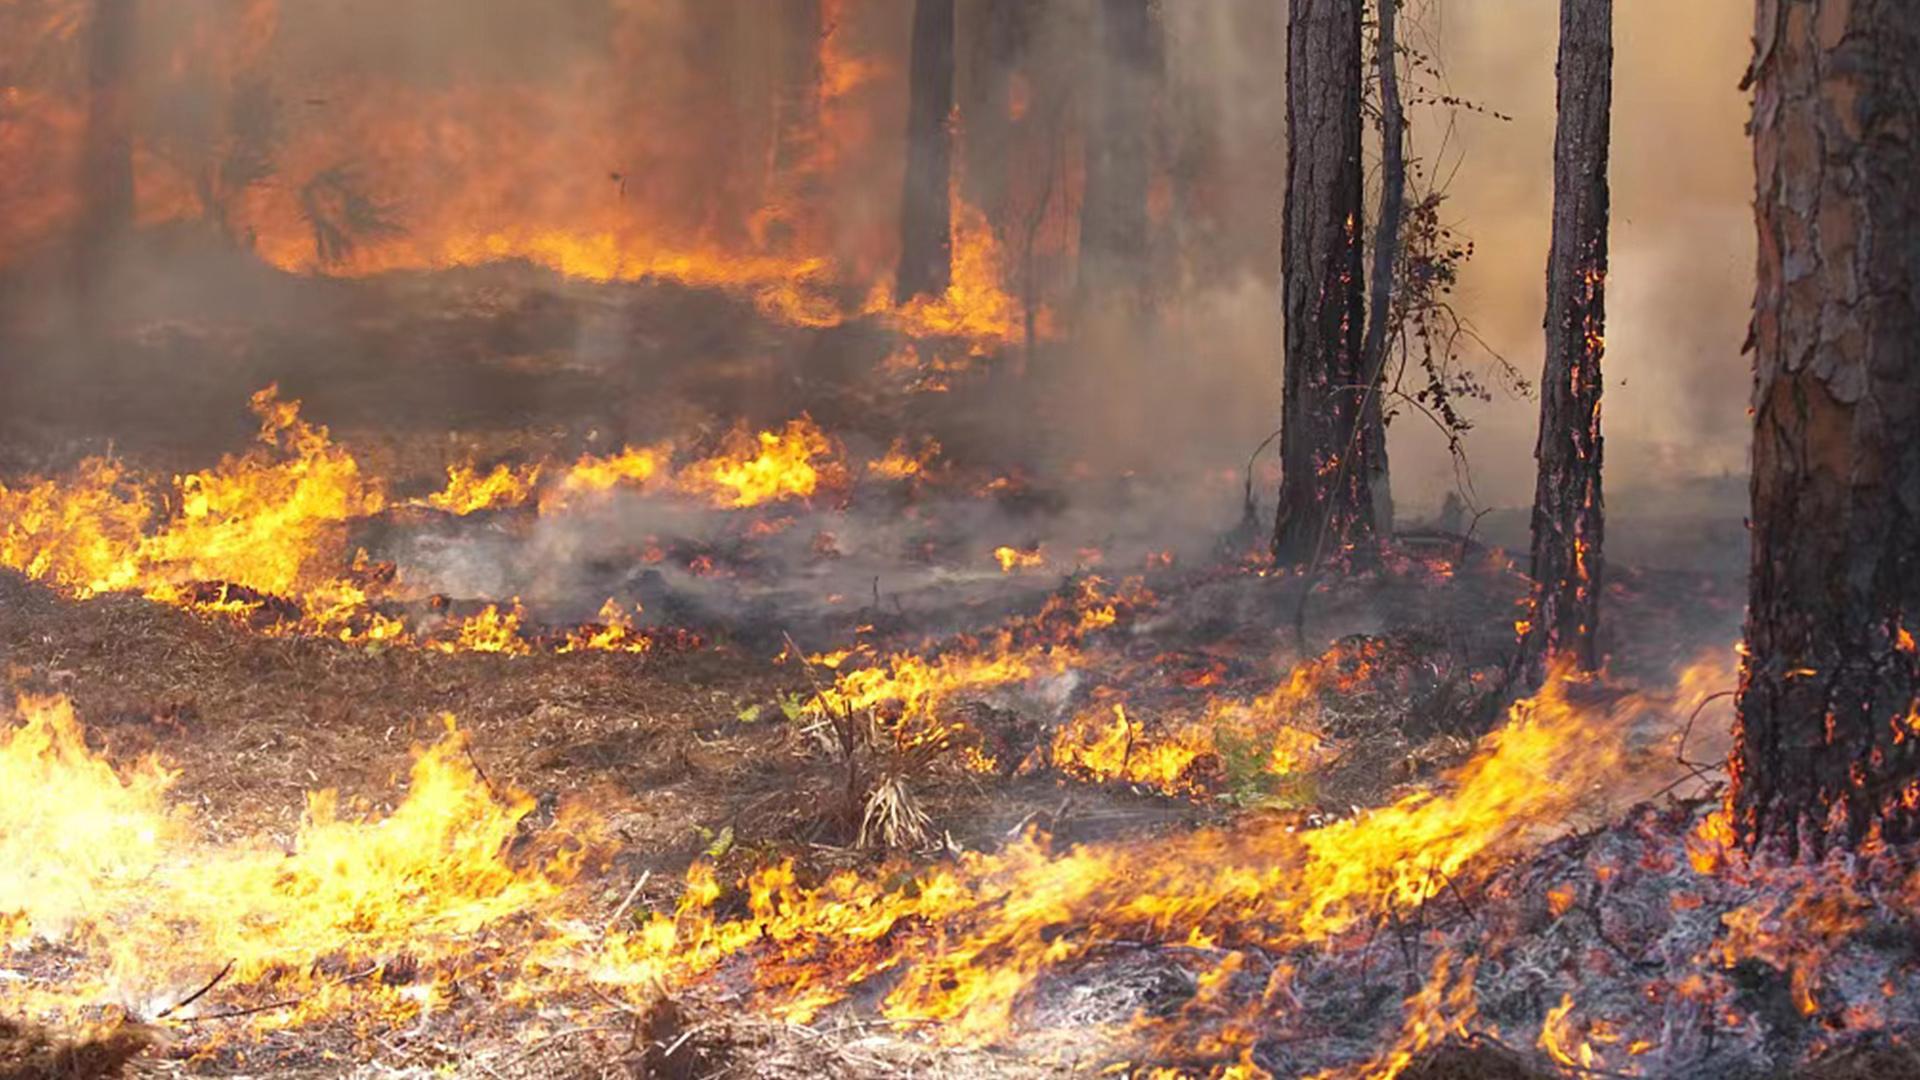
(1122, 809)
(1264, 912)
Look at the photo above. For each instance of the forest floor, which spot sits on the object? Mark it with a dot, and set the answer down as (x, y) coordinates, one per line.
(670, 751)
(690, 756)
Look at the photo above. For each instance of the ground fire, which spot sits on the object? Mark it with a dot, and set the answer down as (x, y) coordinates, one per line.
(684, 539)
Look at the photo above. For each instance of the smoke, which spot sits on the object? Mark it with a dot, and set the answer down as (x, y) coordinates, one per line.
(611, 139)
(1205, 382)
(1682, 243)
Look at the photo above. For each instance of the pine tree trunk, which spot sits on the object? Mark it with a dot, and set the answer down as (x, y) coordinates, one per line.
(1828, 731)
(1325, 503)
(1114, 232)
(1567, 511)
(1386, 248)
(107, 152)
(926, 214)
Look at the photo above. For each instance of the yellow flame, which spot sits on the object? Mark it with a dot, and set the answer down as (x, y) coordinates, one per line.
(753, 469)
(100, 863)
(468, 490)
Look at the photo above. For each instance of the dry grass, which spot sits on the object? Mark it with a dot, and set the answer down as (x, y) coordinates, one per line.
(893, 817)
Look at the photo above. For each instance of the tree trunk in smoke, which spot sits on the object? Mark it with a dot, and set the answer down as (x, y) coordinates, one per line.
(1003, 29)
(926, 214)
(1828, 721)
(1386, 247)
(1115, 260)
(107, 153)
(1567, 511)
(1324, 500)
(797, 98)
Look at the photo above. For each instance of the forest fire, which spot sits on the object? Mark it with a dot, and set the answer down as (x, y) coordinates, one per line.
(688, 540)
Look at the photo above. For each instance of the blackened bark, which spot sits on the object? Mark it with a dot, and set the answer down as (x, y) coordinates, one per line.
(1114, 229)
(926, 214)
(1567, 511)
(107, 153)
(1386, 247)
(1828, 733)
(1325, 503)
(996, 49)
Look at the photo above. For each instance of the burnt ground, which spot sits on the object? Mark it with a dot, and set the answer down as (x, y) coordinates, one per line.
(674, 748)
(680, 746)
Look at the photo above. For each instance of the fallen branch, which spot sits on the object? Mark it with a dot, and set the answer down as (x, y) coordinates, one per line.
(197, 994)
(283, 1003)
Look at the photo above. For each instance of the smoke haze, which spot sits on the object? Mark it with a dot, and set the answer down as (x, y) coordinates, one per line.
(614, 139)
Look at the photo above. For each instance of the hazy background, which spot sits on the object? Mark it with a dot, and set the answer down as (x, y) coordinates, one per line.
(1682, 241)
(528, 124)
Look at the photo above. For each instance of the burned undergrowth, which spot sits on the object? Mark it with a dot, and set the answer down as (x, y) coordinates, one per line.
(712, 800)
(818, 740)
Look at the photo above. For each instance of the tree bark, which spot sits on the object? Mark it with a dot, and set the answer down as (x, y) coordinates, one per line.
(1568, 516)
(1325, 503)
(926, 214)
(107, 150)
(1114, 256)
(1386, 248)
(1828, 740)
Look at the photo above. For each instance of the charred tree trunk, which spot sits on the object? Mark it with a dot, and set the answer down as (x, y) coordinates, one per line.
(926, 213)
(1324, 500)
(1115, 260)
(1003, 30)
(1567, 511)
(1828, 724)
(1386, 248)
(106, 180)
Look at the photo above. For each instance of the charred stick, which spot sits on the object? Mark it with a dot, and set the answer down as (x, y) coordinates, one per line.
(197, 994)
(478, 771)
(283, 1003)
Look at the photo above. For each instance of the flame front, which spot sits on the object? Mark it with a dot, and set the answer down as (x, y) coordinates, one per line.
(101, 864)
(964, 941)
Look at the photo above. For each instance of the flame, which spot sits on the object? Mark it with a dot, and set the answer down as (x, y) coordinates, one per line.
(491, 631)
(262, 536)
(1013, 558)
(963, 941)
(749, 469)
(632, 466)
(1121, 750)
(270, 521)
(1259, 743)
(976, 306)
(899, 464)
(1571, 1047)
(614, 632)
(753, 469)
(100, 863)
(468, 490)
